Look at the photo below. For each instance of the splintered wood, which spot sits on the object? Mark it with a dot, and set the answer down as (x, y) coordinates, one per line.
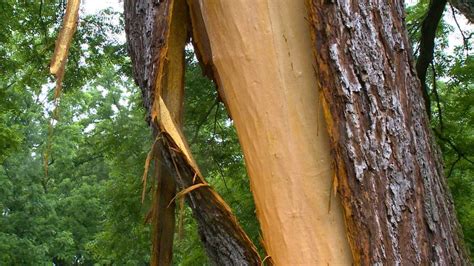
(157, 35)
(58, 62)
(58, 66)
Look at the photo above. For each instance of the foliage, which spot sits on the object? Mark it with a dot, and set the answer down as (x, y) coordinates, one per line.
(97, 145)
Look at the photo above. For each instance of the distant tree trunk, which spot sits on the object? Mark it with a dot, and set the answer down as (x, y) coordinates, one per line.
(394, 206)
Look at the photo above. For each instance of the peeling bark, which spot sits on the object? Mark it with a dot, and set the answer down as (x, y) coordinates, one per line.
(163, 215)
(59, 59)
(157, 33)
(58, 67)
(259, 53)
(391, 181)
(225, 242)
(389, 174)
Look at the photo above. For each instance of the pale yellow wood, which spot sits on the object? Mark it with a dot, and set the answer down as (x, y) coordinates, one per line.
(262, 53)
(65, 36)
(169, 126)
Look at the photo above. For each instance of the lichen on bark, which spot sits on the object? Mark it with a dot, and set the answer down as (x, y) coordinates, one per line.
(398, 208)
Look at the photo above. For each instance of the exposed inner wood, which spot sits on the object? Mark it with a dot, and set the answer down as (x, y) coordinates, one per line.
(58, 66)
(225, 242)
(156, 36)
(261, 51)
(172, 91)
(63, 42)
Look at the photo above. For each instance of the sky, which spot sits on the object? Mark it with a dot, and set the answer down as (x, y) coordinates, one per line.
(90, 7)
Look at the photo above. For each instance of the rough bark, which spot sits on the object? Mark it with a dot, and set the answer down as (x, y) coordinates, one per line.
(147, 25)
(157, 33)
(225, 242)
(466, 7)
(397, 206)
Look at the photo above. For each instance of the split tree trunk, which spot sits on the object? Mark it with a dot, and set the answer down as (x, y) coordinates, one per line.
(394, 198)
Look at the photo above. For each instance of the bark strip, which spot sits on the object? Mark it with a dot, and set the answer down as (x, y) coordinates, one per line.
(58, 67)
(58, 62)
(224, 240)
(397, 206)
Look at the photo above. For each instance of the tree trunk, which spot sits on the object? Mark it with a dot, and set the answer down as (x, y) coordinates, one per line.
(391, 180)
(395, 206)
(261, 52)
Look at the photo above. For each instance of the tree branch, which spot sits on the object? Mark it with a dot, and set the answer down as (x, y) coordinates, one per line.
(464, 38)
(453, 146)
(451, 169)
(427, 41)
(203, 120)
(438, 102)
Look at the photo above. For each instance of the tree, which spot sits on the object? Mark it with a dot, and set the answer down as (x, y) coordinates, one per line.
(87, 209)
(449, 84)
(387, 169)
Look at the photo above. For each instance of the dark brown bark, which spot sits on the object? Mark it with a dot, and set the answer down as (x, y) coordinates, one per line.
(155, 41)
(224, 241)
(466, 7)
(427, 43)
(147, 24)
(397, 206)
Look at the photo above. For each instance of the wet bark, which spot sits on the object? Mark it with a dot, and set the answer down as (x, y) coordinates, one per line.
(397, 206)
